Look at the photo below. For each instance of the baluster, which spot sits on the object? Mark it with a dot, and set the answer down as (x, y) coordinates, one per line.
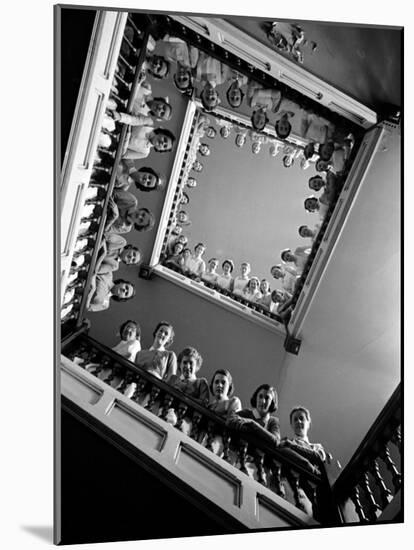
(139, 390)
(385, 493)
(182, 409)
(195, 429)
(115, 369)
(242, 456)
(75, 285)
(373, 507)
(396, 438)
(259, 460)
(152, 398)
(293, 478)
(92, 219)
(74, 301)
(125, 382)
(226, 445)
(210, 435)
(104, 364)
(166, 406)
(96, 201)
(358, 506)
(81, 270)
(69, 316)
(130, 68)
(277, 479)
(109, 156)
(386, 457)
(119, 79)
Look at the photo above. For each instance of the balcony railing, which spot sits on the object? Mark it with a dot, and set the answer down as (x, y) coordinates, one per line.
(83, 235)
(296, 492)
(368, 490)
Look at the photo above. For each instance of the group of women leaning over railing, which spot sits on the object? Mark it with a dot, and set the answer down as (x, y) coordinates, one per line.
(257, 421)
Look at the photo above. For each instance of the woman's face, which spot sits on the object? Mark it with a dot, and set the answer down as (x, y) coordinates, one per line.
(162, 142)
(158, 66)
(221, 386)
(163, 335)
(178, 248)
(213, 265)
(130, 256)
(191, 182)
(182, 77)
(129, 332)
(123, 290)
(300, 423)
(259, 119)
(235, 96)
(211, 132)
(146, 179)
(226, 268)
(188, 368)
(263, 401)
(254, 285)
(245, 269)
(264, 286)
(142, 218)
(160, 108)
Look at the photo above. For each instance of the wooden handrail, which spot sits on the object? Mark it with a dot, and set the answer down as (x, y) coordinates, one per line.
(117, 159)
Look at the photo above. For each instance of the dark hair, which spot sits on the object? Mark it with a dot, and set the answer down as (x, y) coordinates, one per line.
(167, 65)
(200, 244)
(166, 104)
(312, 199)
(271, 389)
(167, 133)
(299, 408)
(231, 264)
(165, 324)
(224, 372)
(190, 352)
(158, 183)
(281, 135)
(254, 125)
(149, 225)
(137, 327)
(228, 95)
(120, 281)
(211, 259)
(302, 227)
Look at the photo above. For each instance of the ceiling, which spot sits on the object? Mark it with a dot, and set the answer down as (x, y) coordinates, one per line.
(361, 60)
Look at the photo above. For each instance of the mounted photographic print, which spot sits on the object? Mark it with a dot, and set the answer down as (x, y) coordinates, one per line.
(228, 270)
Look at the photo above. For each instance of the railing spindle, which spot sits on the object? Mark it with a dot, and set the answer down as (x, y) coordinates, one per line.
(396, 476)
(385, 493)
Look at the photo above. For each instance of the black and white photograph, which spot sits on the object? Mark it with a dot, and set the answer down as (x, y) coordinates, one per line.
(227, 274)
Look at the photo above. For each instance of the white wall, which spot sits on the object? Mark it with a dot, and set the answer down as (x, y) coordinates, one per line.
(349, 363)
